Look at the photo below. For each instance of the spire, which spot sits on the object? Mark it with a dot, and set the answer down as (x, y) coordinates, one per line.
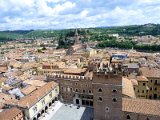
(76, 37)
(76, 33)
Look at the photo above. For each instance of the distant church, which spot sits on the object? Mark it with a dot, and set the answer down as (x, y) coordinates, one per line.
(77, 45)
(76, 38)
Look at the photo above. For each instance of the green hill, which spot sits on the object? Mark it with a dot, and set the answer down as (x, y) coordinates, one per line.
(132, 30)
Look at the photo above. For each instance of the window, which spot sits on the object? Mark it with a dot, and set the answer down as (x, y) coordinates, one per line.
(147, 118)
(71, 89)
(84, 91)
(151, 81)
(43, 102)
(128, 117)
(142, 91)
(114, 90)
(76, 84)
(89, 91)
(50, 95)
(56, 90)
(100, 90)
(76, 90)
(155, 89)
(150, 88)
(35, 109)
(107, 109)
(100, 98)
(138, 91)
(114, 99)
(144, 84)
(155, 82)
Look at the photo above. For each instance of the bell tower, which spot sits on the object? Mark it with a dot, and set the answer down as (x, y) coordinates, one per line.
(76, 37)
(107, 90)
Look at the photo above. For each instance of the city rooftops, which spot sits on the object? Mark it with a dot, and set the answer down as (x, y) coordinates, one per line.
(128, 88)
(9, 114)
(37, 83)
(142, 106)
(3, 69)
(29, 89)
(141, 78)
(35, 96)
(76, 71)
(133, 65)
(150, 72)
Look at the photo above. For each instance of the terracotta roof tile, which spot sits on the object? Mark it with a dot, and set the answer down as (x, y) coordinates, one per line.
(9, 114)
(142, 106)
(35, 96)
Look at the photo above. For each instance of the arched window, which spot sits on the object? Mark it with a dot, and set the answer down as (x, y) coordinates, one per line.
(128, 117)
(89, 91)
(100, 98)
(100, 90)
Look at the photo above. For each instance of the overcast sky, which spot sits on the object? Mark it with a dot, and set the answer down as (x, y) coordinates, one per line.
(59, 14)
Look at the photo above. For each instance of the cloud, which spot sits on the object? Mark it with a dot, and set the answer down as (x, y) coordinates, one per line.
(58, 14)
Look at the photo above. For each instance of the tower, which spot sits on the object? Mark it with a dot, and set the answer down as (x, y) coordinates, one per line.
(107, 90)
(76, 37)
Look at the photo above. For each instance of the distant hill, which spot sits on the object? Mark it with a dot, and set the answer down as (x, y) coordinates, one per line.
(130, 30)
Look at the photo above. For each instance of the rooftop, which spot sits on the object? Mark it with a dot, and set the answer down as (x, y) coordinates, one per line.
(142, 106)
(128, 88)
(141, 78)
(29, 89)
(74, 70)
(37, 83)
(35, 96)
(150, 72)
(9, 114)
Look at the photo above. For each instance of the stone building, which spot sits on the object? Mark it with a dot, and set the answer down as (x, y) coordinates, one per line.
(107, 92)
(99, 90)
(39, 101)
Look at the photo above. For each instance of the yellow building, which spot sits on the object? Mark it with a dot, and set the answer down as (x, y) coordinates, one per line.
(38, 102)
(141, 89)
(153, 76)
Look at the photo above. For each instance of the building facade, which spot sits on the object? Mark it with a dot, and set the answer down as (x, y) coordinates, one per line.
(38, 102)
(103, 92)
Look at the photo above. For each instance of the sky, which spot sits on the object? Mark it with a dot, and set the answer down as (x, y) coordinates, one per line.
(64, 14)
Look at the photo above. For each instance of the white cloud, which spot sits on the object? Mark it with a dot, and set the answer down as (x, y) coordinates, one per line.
(40, 14)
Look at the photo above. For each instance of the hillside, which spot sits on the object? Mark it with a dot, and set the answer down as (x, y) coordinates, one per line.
(132, 30)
